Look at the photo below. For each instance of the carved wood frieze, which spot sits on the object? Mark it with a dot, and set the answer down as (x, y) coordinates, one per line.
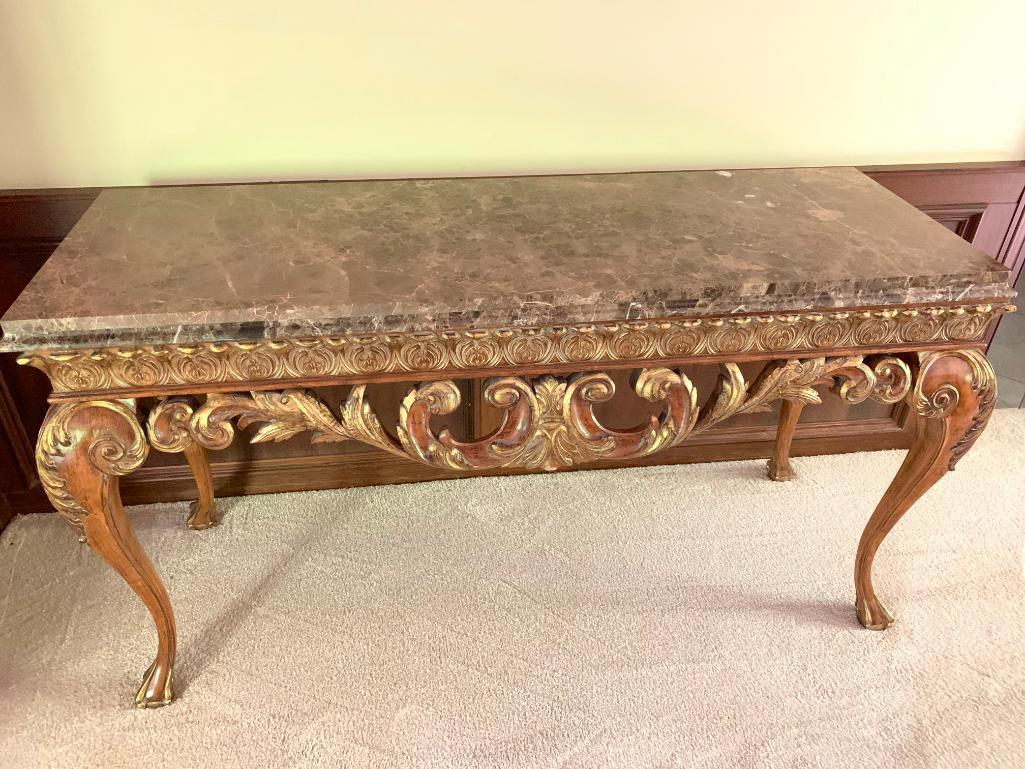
(548, 422)
(136, 369)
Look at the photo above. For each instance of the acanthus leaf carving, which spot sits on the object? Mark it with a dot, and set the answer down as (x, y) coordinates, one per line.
(548, 423)
(102, 437)
(977, 390)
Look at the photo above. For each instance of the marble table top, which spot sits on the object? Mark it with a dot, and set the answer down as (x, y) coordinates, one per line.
(231, 262)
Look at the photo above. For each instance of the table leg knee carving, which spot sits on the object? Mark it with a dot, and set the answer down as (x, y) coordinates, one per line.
(83, 449)
(953, 397)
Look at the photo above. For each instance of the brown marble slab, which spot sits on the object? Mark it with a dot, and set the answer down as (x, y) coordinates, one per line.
(189, 264)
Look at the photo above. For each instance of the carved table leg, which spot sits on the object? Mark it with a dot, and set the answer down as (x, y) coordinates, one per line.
(779, 466)
(953, 395)
(83, 449)
(201, 512)
(169, 431)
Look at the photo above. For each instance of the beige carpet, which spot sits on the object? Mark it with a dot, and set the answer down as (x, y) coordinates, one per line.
(692, 616)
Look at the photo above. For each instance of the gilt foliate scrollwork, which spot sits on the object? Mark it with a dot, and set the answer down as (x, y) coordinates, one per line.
(168, 424)
(883, 378)
(548, 423)
(104, 435)
(175, 423)
(893, 379)
(141, 368)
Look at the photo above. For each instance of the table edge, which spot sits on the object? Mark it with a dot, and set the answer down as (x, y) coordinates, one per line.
(131, 371)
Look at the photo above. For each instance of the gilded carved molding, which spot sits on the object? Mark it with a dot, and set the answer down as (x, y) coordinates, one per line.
(548, 422)
(93, 370)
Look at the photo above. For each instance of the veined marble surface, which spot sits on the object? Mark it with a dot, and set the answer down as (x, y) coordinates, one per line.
(189, 264)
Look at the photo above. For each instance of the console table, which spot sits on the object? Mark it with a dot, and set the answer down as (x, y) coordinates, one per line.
(172, 317)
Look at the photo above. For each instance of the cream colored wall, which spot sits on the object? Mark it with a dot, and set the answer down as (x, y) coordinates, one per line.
(105, 92)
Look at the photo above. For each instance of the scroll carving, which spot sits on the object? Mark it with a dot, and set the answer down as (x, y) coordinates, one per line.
(885, 379)
(944, 399)
(548, 423)
(110, 438)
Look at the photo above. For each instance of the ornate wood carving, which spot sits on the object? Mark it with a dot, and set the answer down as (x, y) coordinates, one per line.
(549, 423)
(139, 369)
(83, 449)
(113, 446)
(953, 395)
(169, 431)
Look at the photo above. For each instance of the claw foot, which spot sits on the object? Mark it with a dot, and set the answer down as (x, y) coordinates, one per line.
(156, 690)
(873, 615)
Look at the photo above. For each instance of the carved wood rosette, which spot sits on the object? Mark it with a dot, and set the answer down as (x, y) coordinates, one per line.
(549, 422)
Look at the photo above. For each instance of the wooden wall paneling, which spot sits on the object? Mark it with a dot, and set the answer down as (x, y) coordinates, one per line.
(32, 224)
(982, 203)
(1013, 246)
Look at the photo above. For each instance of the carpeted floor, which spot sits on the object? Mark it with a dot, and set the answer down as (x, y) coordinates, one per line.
(695, 616)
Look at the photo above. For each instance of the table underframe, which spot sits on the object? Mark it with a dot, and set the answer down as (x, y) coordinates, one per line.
(94, 433)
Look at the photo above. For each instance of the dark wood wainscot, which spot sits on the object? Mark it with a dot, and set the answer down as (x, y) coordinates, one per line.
(983, 203)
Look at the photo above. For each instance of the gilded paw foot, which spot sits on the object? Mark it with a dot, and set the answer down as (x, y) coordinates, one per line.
(156, 690)
(873, 615)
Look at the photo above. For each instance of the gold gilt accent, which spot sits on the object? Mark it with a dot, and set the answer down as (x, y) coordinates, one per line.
(145, 367)
(114, 442)
(548, 422)
(944, 399)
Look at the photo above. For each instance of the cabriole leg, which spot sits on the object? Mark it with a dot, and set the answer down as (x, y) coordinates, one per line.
(169, 431)
(83, 450)
(779, 466)
(202, 511)
(953, 396)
